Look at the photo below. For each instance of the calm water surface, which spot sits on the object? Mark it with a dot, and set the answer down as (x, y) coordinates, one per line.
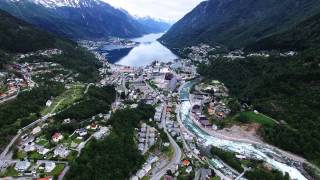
(148, 51)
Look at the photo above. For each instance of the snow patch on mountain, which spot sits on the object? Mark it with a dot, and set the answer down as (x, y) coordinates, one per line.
(63, 3)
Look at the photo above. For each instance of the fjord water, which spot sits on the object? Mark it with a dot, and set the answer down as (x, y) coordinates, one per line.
(147, 51)
(254, 151)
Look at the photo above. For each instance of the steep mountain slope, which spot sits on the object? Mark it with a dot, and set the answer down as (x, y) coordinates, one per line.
(238, 23)
(17, 36)
(76, 18)
(285, 88)
(300, 37)
(154, 25)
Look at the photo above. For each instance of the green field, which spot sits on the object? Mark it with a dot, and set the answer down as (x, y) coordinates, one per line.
(57, 170)
(258, 118)
(65, 99)
(10, 172)
(3, 89)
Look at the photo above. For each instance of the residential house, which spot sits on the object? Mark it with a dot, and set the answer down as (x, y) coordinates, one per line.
(61, 151)
(83, 132)
(22, 166)
(36, 130)
(57, 137)
(49, 166)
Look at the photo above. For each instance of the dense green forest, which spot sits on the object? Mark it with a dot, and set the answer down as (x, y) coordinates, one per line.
(302, 36)
(229, 158)
(263, 174)
(116, 157)
(286, 88)
(17, 36)
(97, 100)
(25, 109)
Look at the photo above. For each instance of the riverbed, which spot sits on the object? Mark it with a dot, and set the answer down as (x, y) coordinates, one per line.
(259, 152)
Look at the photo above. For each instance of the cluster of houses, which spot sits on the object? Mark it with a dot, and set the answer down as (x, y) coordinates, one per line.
(162, 76)
(14, 83)
(35, 142)
(64, 76)
(47, 53)
(108, 44)
(147, 137)
(146, 168)
(211, 97)
(139, 90)
(199, 53)
(25, 165)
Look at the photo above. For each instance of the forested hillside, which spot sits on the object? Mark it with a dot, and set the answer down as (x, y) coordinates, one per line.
(237, 23)
(17, 36)
(117, 156)
(286, 88)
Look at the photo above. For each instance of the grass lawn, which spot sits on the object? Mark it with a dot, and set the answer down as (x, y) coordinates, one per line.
(10, 172)
(43, 142)
(258, 118)
(65, 99)
(57, 170)
(169, 152)
(21, 155)
(35, 156)
(72, 156)
(215, 178)
(145, 178)
(3, 89)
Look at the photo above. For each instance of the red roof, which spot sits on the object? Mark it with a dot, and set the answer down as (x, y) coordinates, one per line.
(56, 135)
(48, 178)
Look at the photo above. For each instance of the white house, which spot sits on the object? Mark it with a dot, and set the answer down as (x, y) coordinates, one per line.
(189, 169)
(48, 103)
(141, 173)
(42, 150)
(61, 151)
(36, 130)
(83, 132)
(22, 165)
(49, 166)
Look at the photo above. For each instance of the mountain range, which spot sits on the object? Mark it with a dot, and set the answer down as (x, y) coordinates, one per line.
(238, 23)
(85, 19)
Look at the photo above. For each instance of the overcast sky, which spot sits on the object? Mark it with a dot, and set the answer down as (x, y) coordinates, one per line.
(170, 10)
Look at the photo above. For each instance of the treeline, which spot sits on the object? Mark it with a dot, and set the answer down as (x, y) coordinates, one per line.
(25, 109)
(97, 100)
(74, 58)
(17, 36)
(285, 88)
(263, 174)
(228, 157)
(116, 157)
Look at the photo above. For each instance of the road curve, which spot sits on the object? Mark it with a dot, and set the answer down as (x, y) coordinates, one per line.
(177, 152)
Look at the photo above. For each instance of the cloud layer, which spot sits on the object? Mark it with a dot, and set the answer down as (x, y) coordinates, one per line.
(170, 10)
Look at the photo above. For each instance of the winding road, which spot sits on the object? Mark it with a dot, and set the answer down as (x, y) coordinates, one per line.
(177, 151)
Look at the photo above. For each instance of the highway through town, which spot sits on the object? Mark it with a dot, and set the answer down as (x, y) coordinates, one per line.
(177, 151)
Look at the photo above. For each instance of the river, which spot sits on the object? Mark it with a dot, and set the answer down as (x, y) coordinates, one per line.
(145, 53)
(253, 151)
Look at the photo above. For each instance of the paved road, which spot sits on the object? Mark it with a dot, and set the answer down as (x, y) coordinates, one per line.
(87, 88)
(7, 149)
(10, 98)
(63, 173)
(177, 151)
